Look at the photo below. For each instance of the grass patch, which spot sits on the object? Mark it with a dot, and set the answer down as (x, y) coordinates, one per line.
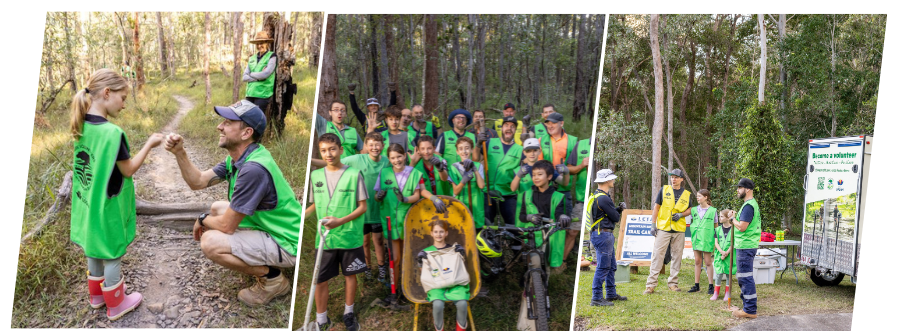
(668, 310)
(498, 311)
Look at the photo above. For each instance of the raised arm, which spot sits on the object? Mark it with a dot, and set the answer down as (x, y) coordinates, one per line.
(194, 178)
(130, 166)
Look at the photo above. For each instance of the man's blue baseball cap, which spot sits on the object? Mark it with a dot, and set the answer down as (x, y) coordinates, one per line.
(244, 111)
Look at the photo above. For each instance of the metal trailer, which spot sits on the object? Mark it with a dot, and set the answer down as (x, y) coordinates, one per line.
(834, 207)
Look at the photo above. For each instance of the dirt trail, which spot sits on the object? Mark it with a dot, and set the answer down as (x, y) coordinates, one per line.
(181, 288)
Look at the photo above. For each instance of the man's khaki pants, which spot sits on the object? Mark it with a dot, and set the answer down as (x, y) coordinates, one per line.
(662, 242)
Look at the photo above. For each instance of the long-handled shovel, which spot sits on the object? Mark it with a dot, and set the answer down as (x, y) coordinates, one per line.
(315, 277)
(392, 300)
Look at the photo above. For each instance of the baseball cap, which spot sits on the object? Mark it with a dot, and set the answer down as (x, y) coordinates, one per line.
(531, 143)
(372, 101)
(604, 175)
(555, 117)
(509, 105)
(746, 183)
(677, 172)
(244, 111)
(510, 119)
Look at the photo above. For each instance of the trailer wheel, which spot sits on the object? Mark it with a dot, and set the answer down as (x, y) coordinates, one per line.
(826, 279)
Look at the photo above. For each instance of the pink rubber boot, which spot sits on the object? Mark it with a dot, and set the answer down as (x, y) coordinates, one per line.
(715, 295)
(95, 288)
(118, 303)
(727, 293)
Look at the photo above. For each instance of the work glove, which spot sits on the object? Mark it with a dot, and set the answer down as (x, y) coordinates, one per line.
(351, 87)
(535, 219)
(562, 169)
(526, 135)
(676, 216)
(421, 256)
(460, 249)
(653, 230)
(468, 165)
(439, 205)
(565, 221)
(621, 207)
(523, 170)
(526, 121)
(481, 137)
(437, 163)
(379, 196)
(468, 176)
(400, 196)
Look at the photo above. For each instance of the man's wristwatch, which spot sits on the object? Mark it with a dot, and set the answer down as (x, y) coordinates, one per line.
(201, 218)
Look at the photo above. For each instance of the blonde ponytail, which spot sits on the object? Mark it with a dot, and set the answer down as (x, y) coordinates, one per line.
(81, 102)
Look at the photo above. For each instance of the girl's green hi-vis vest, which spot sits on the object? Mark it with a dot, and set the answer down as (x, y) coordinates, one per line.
(721, 266)
(103, 216)
(342, 203)
(455, 293)
(502, 167)
(386, 134)
(477, 205)
(557, 240)
(749, 239)
(434, 186)
(702, 229)
(450, 146)
(540, 130)
(348, 138)
(547, 149)
(282, 222)
(393, 207)
(584, 151)
(261, 88)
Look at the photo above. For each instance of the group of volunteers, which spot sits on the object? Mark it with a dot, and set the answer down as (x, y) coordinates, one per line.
(711, 239)
(254, 232)
(370, 180)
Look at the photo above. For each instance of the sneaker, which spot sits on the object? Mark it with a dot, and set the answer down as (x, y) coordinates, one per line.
(695, 288)
(368, 274)
(382, 272)
(350, 322)
(601, 303)
(710, 290)
(264, 290)
(325, 326)
(616, 298)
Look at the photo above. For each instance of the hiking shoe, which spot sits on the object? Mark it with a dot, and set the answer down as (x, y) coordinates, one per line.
(616, 298)
(264, 290)
(674, 288)
(601, 303)
(649, 290)
(350, 322)
(368, 274)
(695, 288)
(710, 290)
(382, 272)
(325, 326)
(741, 313)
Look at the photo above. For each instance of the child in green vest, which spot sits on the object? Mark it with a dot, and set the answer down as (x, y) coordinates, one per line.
(339, 202)
(370, 165)
(462, 174)
(543, 201)
(459, 294)
(395, 134)
(103, 204)
(720, 258)
(531, 154)
(397, 188)
(434, 172)
(703, 225)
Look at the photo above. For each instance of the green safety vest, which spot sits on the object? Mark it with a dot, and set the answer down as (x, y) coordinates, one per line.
(477, 205)
(502, 166)
(557, 241)
(429, 129)
(370, 171)
(386, 134)
(547, 149)
(455, 293)
(450, 146)
(342, 203)
(702, 229)
(540, 130)
(749, 239)
(584, 151)
(721, 266)
(261, 88)
(590, 206)
(101, 224)
(435, 186)
(348, 138)
(670, 206)
(393, 207)
(282, 222)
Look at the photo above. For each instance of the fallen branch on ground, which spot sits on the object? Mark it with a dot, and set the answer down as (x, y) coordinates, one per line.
(62, 198)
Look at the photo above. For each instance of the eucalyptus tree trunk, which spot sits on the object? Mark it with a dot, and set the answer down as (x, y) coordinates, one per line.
(761, 97)
(430, 91)
(138, 59)
(206, 42)
(670, 115)
(237, 50)
(161, 41)
(659, 110)
(470, 100)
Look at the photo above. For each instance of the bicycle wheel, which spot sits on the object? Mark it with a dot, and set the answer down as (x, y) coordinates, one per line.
(539, 301)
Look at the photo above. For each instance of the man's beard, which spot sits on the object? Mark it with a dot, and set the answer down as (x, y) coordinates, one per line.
(228, 143)
(510, 138)
(741, 195)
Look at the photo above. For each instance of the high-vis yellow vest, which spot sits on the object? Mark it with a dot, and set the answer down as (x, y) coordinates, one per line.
(670, 206)
(590, 206)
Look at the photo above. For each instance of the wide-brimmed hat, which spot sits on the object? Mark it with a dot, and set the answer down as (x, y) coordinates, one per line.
(261, 37)
(604, 175)
(372, 101)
